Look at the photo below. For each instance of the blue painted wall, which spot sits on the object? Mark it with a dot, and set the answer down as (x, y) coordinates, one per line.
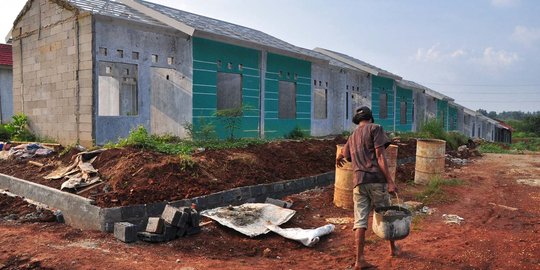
(283, 68)
(6, 93)
(206, 56)
(383, 85)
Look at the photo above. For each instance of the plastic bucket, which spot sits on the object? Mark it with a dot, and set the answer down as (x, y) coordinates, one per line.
(429, 160)
(343, 186)
(392, 227)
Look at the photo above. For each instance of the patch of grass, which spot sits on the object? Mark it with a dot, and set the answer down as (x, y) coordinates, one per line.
(415, 223)
(172, 145)
(488, 147)
(433, 192)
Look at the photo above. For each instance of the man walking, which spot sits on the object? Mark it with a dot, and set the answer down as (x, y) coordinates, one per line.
(365, 148)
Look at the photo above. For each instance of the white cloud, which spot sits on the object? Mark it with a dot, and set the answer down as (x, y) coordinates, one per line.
(505, 3)
(458, 53)
(434, 54)
(428, 55)
(526, 36)
(495, 60)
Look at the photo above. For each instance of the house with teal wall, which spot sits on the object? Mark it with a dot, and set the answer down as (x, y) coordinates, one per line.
(383, 89)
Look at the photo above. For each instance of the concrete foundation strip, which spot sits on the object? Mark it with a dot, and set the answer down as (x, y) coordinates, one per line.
(81, 212)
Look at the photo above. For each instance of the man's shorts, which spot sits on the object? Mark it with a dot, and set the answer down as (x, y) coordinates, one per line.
(367, 197)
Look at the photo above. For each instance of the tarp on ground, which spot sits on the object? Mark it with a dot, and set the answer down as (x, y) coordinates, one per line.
(251, 219)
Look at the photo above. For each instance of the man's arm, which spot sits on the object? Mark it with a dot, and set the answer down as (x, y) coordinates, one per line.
(383, 164)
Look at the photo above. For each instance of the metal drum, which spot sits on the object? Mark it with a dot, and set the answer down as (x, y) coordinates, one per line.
(429, 160)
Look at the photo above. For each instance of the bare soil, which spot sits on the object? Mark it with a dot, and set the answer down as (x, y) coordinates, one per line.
(134, 176)
(491, 237)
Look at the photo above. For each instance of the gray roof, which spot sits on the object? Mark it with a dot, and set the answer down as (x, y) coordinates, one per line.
(198, 22)
(331, 60)
(381, 71)
(411, 84)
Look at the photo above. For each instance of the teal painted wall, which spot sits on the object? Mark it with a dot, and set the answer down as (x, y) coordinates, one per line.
(206, 54)
(406, 95)
(292, 70)
(380, 85)
(442, 112)
(452, 118)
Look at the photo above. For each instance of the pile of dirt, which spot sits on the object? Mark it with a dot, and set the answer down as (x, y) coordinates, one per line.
(406, 148)
(135, 176)
(16, 209)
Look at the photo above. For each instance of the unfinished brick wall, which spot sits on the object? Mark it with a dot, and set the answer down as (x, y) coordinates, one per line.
(47, 52)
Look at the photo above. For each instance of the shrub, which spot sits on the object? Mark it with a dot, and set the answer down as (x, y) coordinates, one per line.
(434, 129)
(231, 119)
(488, 147)
(297, 134)
(18, 128)
(5, 135)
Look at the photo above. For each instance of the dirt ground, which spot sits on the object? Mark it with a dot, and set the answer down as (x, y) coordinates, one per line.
(491, 237)
(134, 176)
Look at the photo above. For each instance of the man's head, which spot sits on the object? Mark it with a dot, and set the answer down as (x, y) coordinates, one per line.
(363, 114)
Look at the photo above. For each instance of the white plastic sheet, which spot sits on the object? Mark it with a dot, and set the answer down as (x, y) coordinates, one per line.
(251, 219)
(308, 237)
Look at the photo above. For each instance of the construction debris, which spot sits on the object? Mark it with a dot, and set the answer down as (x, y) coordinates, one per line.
(307, 237)
(450, 218)
(279, 203)
(23, 151)
(125, 232)
(173, 223)
(250, 219)
(80, 173)
(505, 207)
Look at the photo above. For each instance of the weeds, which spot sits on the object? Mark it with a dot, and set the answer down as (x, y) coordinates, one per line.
(297, 134)
(433, 191)
(231, 119)
(171, 145)
(433, 129)
(18, 128)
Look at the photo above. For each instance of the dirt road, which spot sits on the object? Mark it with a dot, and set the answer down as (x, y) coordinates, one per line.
(492, 237)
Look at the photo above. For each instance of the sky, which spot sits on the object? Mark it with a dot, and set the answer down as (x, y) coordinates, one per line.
(483, 53)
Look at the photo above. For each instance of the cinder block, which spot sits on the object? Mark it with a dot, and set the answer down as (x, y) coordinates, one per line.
(151, 237)
(193, 230)
(279, 203)
(125, 232)
(181, 232)
(170, 232)
(154, 225)
(194, 218)
(171, 215)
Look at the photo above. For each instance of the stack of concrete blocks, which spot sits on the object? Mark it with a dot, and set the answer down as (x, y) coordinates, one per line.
(173, 223)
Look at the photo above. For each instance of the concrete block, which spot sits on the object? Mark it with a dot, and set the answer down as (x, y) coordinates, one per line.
(154, 225)
(171, 215)
(193, 230)
(125, 232)
(181, 232)
(194, 218)
(134, 211)
(279, 203)
(155, 209)
(151, 237)
(169, 232)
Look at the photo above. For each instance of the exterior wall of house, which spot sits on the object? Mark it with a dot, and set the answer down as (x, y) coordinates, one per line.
(287, 69)
(52, 74)
(162, 62)
(380, 86)
(460, 119)
(323, 88)
(452, 118)
(406, 96)
(420, 108)
(442, 112)
(211, 57)
(6, 94)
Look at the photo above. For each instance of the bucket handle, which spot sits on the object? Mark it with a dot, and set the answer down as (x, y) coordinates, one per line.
(397, 197)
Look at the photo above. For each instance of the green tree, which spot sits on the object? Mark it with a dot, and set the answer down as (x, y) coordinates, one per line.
(231, 119)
